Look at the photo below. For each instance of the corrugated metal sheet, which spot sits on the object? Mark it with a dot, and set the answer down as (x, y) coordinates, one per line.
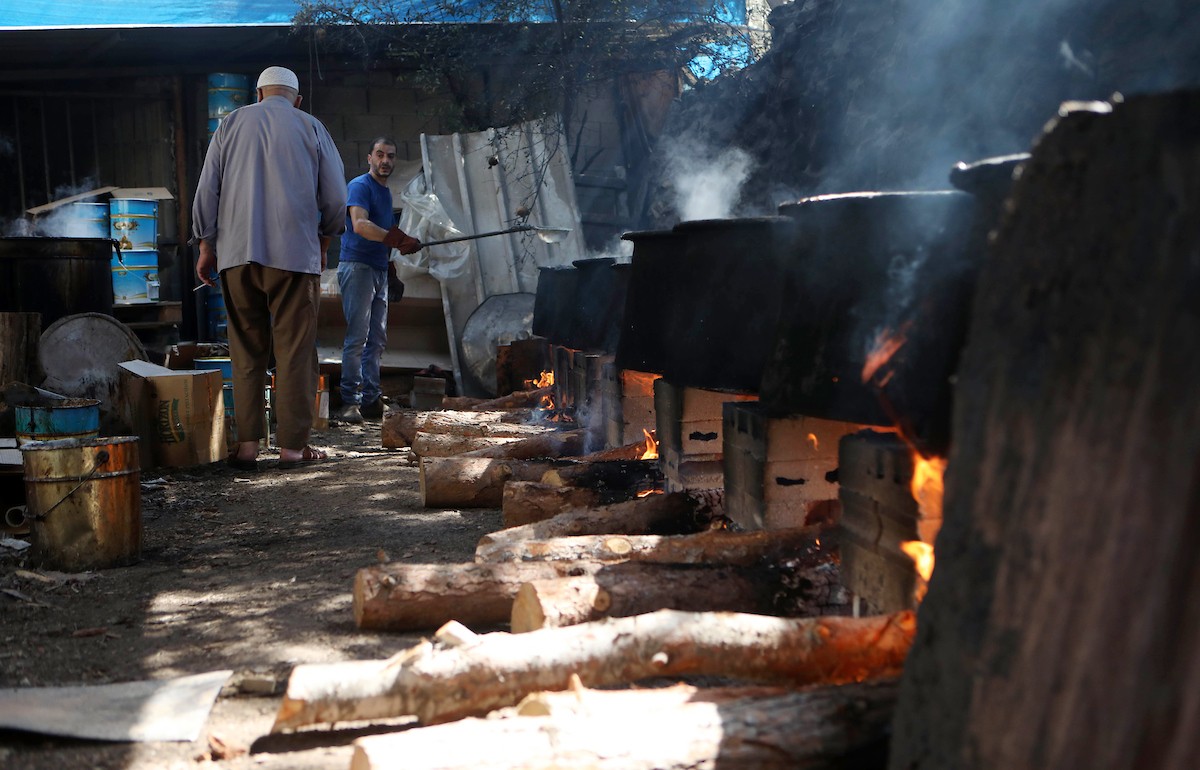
(530, 169)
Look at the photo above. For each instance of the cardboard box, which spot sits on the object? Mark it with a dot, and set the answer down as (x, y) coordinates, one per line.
(179, 416)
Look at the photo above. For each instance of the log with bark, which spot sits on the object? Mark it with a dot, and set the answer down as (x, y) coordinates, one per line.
(521, 399)
(478, 482)
(400, 427)
(524, 502)
(407, 597)
(460, 403)
(712, 547)
(451, 445)
(675, 728)
(634, 588)
(559, 443)
(672, 513)
(635, 451)
(436, 684)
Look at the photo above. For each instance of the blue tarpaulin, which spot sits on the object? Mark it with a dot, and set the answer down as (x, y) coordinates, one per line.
(196, 13)
(143, 13)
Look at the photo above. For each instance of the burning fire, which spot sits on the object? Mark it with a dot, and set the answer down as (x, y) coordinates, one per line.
(927, 485)
(544, 380)
(812, 439)
(882, 349)
(651, 452)
(928, 489)
(922, 556)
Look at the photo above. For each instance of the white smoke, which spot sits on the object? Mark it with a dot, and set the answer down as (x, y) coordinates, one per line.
(616, 248)
(706, 184)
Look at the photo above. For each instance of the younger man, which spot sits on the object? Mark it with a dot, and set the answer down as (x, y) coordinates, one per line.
(363, 280)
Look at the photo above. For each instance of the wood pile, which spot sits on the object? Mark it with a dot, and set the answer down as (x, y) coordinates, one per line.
(603, 580)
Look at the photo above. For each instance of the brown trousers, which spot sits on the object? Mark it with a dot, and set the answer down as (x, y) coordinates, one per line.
(267, 309)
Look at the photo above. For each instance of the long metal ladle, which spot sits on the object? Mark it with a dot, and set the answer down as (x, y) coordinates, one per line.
(546, 234)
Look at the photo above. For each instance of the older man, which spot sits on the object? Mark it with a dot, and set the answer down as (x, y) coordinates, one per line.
(271, 197)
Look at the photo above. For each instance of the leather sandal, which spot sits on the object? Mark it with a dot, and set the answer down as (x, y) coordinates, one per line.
(308, 456)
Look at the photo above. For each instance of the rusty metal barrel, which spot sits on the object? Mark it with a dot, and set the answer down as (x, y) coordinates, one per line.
(83, 498)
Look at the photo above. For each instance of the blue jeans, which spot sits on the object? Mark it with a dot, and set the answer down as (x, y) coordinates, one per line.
(364, 303)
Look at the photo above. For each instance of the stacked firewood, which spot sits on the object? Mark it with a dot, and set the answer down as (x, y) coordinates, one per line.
(603, 580)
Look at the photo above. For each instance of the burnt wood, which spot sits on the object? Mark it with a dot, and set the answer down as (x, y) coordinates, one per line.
(870, 265)
(1061, 624)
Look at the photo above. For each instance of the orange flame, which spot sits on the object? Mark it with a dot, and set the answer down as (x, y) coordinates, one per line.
(882, 349)
(649, 492)
(651, 452)
(812, 439)
(922, 556)
(544, 380)
(928, 489)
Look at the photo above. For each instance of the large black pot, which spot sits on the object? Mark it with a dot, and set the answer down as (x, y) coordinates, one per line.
(726, 297)
(877, 268)
(596, 312)
(552, 304)
(643, 342)
(56, 277)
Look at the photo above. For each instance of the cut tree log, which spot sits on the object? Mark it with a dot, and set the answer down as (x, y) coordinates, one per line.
(521, 399)
(672, 513)
(497, 670)
(400, 427)
(451, 445)
(460, 403)
(478, 482)
(713, 547)
(676, 728)
(635, 451)
(561, 443)
(409, 597)
(525, 502)
(607, 474)
(634, 588)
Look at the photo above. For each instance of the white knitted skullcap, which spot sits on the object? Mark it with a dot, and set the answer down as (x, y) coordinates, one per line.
(278, 76)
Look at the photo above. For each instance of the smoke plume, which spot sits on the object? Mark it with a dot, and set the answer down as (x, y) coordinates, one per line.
(706, 184)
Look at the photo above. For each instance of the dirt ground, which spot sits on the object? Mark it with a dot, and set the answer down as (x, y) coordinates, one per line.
(249, 572)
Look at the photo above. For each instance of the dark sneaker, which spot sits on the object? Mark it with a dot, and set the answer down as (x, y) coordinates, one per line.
(372, 410)
(349, 414)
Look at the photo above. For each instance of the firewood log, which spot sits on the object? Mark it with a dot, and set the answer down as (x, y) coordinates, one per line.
(460, 403)
(407, 597)
(521, 399)
(633, 451)
(677, 728)
(559, 443)
(524, 502)
(713, 547)
(673, 513)
(607, 474)
(400, 427)
(635, 589)
(436, 684)
(478, 482)
(451, 445)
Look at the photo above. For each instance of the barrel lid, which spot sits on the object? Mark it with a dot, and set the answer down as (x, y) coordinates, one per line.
(80, 353)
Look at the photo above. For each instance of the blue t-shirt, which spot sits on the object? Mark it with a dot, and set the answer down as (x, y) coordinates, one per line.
(365, 192)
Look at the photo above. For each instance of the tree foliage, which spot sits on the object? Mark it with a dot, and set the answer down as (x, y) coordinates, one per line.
(508, 61)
